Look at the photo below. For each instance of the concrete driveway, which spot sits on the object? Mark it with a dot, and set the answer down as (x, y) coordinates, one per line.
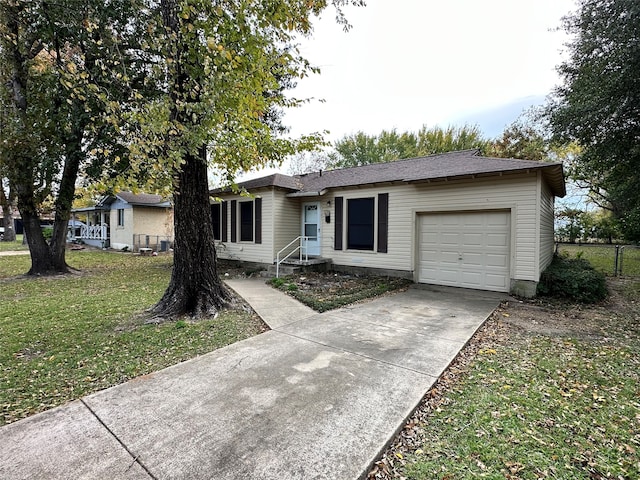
(318, 397)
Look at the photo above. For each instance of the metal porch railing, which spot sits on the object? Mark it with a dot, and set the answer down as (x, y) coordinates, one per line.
(301, 247)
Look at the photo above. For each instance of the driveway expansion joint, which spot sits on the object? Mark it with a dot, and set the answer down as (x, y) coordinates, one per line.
(136, 458)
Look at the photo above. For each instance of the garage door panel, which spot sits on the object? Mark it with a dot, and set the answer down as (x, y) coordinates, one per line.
(498, 220)
(470, 221)
(473, 259)
(465, 249)
(471, 239)
(496, 281)
(497, 240)
(450, 238)
(430, 238)
(492, 260)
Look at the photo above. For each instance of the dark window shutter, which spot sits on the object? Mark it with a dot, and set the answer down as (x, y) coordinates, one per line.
(234, 219)
(216, 220)
(337, 236)
(383, 222)
(258, 220)
(225, 214)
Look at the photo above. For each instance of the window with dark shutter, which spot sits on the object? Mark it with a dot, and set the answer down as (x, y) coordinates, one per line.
(337, 236)
(224, 221)
(383, 222)
(257, 204)
(234, 221)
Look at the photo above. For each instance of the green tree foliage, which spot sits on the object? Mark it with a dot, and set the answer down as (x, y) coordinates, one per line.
(572, 226)
(524, 139)
(67, 68)
(227, 66)
(598, 104)
(363, 149)
(599, 225)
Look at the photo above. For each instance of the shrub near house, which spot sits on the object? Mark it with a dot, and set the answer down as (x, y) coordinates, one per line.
(573, 279)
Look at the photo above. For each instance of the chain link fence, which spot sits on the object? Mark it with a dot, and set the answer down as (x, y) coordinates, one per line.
(157, 243)
(614, 260)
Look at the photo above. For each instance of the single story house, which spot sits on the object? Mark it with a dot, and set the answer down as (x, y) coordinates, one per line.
(127, 220)
(456, 219)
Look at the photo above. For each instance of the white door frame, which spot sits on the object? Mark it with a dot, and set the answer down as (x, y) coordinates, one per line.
(313, 246)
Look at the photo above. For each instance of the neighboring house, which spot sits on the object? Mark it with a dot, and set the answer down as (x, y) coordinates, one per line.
(128, 220)
(456, 219)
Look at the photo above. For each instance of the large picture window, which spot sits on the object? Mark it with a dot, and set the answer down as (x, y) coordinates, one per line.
(246, 221)
(360, 223)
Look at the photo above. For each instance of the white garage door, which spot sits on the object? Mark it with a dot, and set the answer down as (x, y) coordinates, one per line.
(468, 250)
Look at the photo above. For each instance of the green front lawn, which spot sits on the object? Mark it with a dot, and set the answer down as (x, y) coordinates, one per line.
(66, 336)
(13, 246)
(602, 257)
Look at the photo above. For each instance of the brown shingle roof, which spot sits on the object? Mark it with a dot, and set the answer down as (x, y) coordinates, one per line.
(141, 199)
(446, 166)
(275, 180)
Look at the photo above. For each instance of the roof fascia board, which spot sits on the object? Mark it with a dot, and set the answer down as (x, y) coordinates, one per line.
(307, 194)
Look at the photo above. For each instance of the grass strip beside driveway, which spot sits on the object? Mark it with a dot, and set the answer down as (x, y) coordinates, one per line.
(64, 337)
(544, 390)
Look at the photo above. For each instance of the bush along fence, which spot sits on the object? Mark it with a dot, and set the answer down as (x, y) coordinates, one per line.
(614, 260)
(157, 243)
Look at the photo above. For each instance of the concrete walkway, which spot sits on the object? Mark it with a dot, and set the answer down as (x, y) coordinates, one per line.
(318, 397)
(275, 308)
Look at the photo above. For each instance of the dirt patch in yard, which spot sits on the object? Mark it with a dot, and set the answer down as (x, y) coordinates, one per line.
(613, 318)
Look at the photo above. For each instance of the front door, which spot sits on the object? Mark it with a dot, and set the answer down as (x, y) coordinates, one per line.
(311, 227)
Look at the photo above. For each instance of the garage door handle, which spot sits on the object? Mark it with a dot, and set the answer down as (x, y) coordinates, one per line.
(459, 256)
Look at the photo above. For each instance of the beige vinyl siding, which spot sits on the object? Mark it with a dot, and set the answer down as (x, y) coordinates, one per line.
(250, 251)
(286, 220)
(546, 227)
(516, 193)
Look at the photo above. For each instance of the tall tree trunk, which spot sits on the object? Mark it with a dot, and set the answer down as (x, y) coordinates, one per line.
(7, 216)
(66, 192)
(42, 262)
(195, 287)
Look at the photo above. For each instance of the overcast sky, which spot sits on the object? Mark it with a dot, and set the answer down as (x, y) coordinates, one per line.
(410, 62)
(406, 63)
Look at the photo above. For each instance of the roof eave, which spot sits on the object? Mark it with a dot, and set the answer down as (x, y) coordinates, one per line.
(307, 194)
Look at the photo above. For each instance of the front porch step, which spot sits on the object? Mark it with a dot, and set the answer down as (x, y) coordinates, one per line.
(305, 263)
(291, 266)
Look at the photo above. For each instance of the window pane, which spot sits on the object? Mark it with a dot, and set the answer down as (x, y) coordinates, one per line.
(246, 221)
(360, 223)
(311, 213)
(311, 230)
